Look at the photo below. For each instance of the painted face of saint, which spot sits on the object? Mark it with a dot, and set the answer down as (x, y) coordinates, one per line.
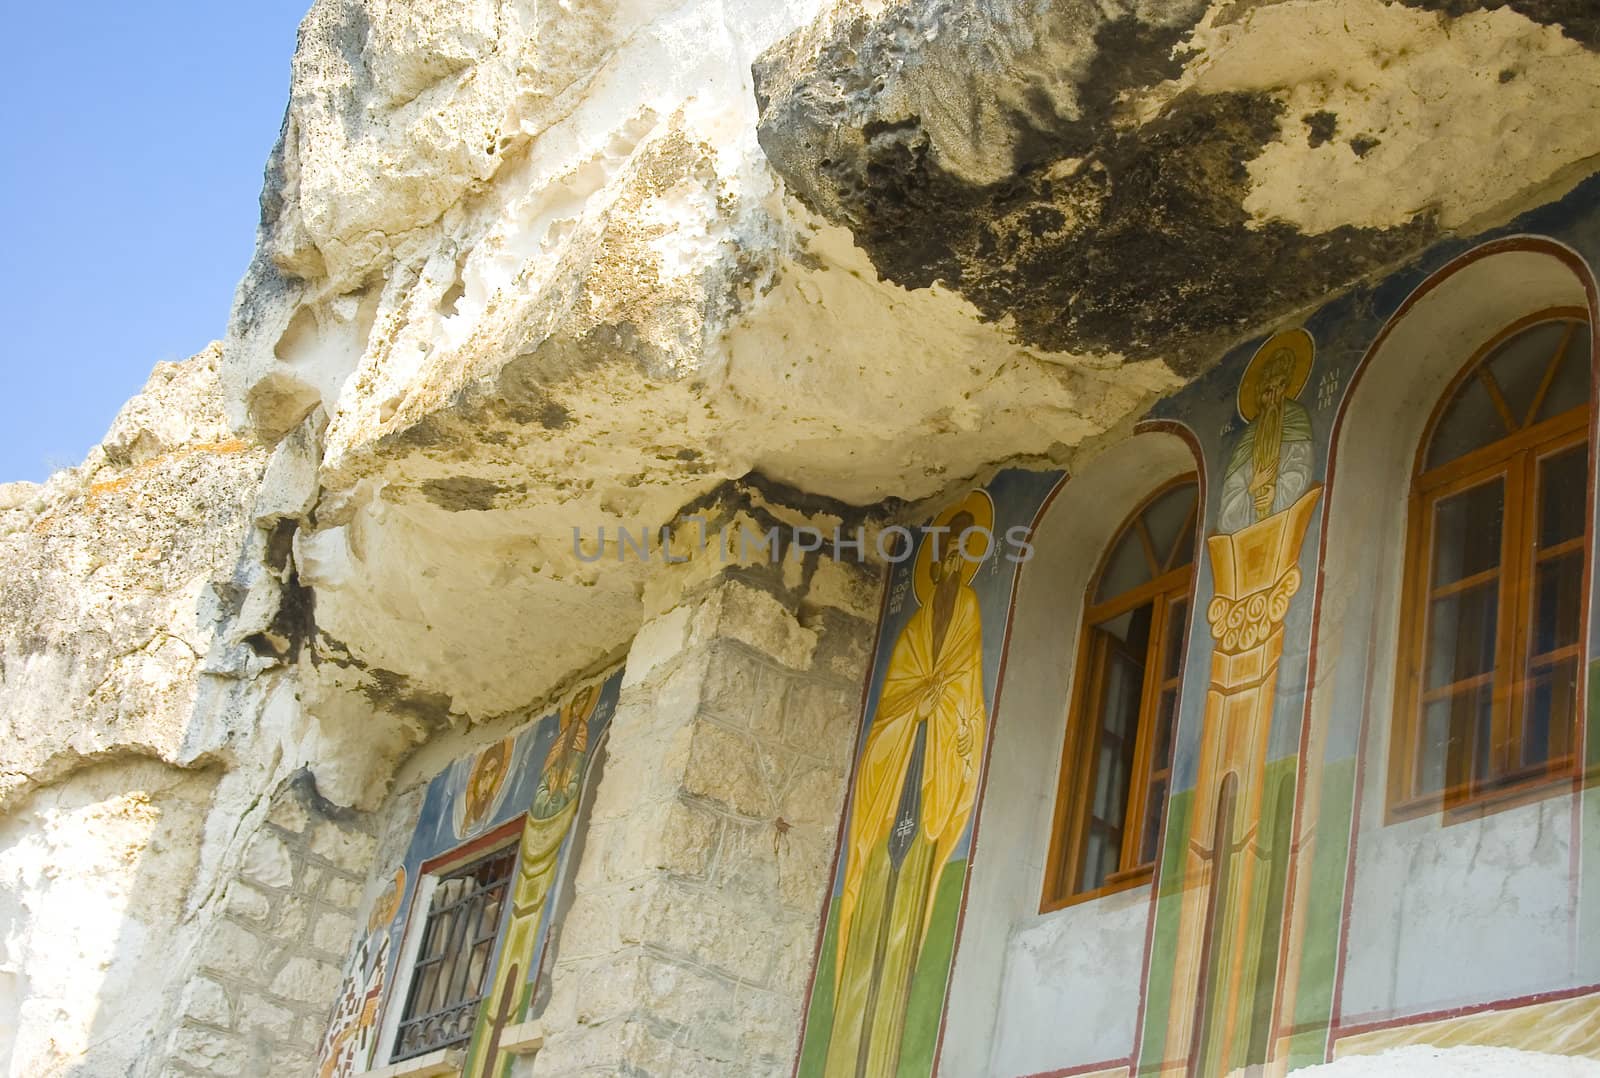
(483, 782)
(1275, 379)
(951, 554)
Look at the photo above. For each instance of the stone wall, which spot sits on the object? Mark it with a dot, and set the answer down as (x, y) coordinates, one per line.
(688, 945)
(257, 995)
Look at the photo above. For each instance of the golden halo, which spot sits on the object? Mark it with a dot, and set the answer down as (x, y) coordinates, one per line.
(977, 547)
(1296, 342)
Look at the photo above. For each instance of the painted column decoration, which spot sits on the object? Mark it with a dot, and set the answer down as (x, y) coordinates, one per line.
(1230, 868)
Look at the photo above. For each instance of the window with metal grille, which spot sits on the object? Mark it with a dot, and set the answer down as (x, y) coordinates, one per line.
(451, 972)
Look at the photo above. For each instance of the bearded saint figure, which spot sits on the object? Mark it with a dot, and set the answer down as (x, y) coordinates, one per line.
(485, 778)
(917, 780)
(1271, 465)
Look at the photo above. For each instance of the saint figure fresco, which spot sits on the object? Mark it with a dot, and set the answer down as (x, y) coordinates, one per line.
(1224, 881)
(486, 784)
(561, 778)
(915, 788)
(1270, 467)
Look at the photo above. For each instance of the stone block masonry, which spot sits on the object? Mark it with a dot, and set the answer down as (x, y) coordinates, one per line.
(688, 943)
(263, 976)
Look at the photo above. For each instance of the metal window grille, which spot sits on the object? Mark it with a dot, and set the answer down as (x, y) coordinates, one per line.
(452, 967)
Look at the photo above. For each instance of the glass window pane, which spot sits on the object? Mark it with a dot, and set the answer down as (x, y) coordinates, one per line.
(448, 982)
(1121, 646)
(1462, 631)
(1519, 365)
(1550, 704)
(1184, 554)
(1470, 421)
(1165, 720)
(1172, 650)
(1467, 529)
(1105, 767)
(1167, 519)
(1570, 389)
(1130, 630)
(1557, 603)
(1098, 860)
(1152, 822)
(1563, 495)
(1454, 746)
(1127, 568)
(1160, 766)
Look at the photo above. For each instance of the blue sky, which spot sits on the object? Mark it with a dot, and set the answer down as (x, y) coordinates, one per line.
(128, 181)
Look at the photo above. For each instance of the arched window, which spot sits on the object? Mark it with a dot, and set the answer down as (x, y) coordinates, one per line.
(1490, 662)
(1117, 760)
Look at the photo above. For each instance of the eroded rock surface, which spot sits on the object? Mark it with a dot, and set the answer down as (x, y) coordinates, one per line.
(545, 273)
(1154, 179)
(117, 575)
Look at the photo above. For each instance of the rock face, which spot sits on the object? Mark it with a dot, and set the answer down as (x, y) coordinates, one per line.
(1154, 179)
(530, 270)
(118, 574)
(550, 272)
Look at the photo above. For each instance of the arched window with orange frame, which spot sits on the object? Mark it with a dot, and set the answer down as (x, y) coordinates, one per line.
(1490, 664)
(1117, 760)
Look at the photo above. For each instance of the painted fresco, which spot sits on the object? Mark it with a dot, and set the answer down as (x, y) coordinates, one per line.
(1263, 835)
(1227, 875)
(1250, 915)
(529, 784)
(889, 932)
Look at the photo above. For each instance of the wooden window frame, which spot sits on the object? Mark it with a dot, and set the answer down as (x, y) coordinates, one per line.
(1075, 781)
(1513, 459)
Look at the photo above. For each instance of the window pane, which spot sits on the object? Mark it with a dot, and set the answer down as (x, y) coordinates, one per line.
(1148, 845)
(1165, 721)
(1167, 518)
(1177, 629)
(1121, 644)
(1470, 421)
(1160, 767)
(1570, 389)
(458, 940)
(1466, 532)
(1549, 717)
(1455, 741)
(1563, 499)
(1462, 633)
(1127, 568)
(1557, 603)
(1100, 859)
(1520, 364)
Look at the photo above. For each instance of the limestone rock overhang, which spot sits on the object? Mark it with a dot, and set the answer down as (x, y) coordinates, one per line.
(862, 251)
(1158, 178)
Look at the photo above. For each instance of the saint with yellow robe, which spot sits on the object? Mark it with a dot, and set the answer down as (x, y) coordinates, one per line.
(915, 788)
